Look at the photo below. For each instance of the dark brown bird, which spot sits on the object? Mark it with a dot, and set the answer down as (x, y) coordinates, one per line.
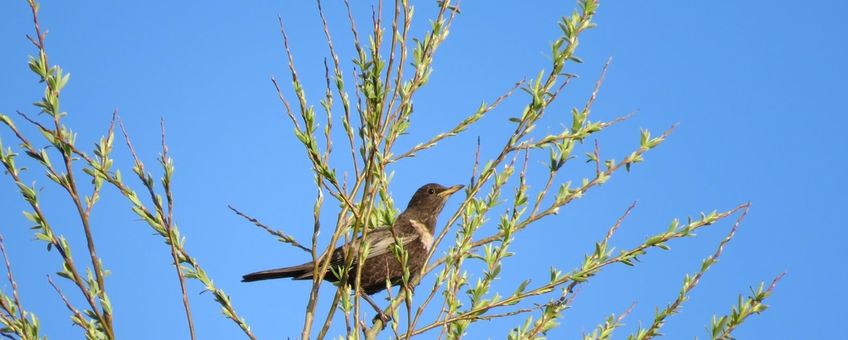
(414, 227)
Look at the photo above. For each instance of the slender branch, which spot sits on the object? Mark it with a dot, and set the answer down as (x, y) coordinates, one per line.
(575, 194)
(155, 219)
(45, 230)
(11, 279)
(77, 318)
(723, 327)
(340, 90)
(316, 279)
(464, 124)
(401, 37)
(168, 219)
(68, 304)
(55, 80)
(531, 114)
(590, 268)
(281, 236)
(689, 283)
(618, 223)
(604, 331)
(598, 83)
(570, 292)
(17, 323)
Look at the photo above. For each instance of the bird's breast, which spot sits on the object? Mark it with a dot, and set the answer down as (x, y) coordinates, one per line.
(423, 232)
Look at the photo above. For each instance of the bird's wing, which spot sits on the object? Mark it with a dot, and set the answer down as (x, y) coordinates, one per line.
(380, 241)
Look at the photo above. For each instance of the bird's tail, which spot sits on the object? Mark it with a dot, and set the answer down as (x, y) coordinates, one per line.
(301, 272)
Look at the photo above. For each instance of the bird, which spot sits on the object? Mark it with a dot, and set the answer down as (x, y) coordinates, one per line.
(414, 228)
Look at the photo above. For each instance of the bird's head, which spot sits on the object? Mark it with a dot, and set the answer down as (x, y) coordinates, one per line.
(431, 198)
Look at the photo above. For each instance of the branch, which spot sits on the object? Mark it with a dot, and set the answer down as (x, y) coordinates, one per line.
(723, 327)
(91, 332)
(11, 278)
(556, 307)
(282, 237)
(593, 264)
(689, 283)
(44, 231)
(168, 220)
(541, 96)
(158, 219)
(604, 331)
(15, 320)
(464, 124)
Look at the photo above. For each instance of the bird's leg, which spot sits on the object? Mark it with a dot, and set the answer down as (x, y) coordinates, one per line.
(385, 318)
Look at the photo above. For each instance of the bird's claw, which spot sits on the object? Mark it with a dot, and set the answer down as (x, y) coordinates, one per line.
(383, 317)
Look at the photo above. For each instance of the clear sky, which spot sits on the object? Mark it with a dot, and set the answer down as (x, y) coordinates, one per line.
(756, 87)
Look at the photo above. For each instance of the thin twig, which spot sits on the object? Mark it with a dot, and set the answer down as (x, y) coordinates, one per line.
(11, 278)
(459, 127)
(598, 84)
(68, 304)
(169, 220)
(282, 237)
(618, 222)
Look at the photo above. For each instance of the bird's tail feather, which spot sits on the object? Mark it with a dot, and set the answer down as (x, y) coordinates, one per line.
(301, 272)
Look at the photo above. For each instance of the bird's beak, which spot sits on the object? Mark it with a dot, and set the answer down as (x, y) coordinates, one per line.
(449, 191)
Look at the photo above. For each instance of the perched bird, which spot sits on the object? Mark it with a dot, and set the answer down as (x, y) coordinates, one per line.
(414, 228)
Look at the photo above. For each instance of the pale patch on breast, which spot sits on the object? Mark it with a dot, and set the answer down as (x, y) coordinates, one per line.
(423, 233)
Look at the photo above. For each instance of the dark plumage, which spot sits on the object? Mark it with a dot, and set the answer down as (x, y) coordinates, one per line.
(415, 228)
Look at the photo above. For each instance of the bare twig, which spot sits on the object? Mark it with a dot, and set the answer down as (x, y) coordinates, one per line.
(11, 279)
(282, 237)
(618, 223)
(598, 84)
(79, 318)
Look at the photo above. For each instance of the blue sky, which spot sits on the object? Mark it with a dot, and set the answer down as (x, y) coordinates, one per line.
(756, 89)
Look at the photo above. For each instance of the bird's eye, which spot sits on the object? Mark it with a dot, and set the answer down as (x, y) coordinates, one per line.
(431, 191)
